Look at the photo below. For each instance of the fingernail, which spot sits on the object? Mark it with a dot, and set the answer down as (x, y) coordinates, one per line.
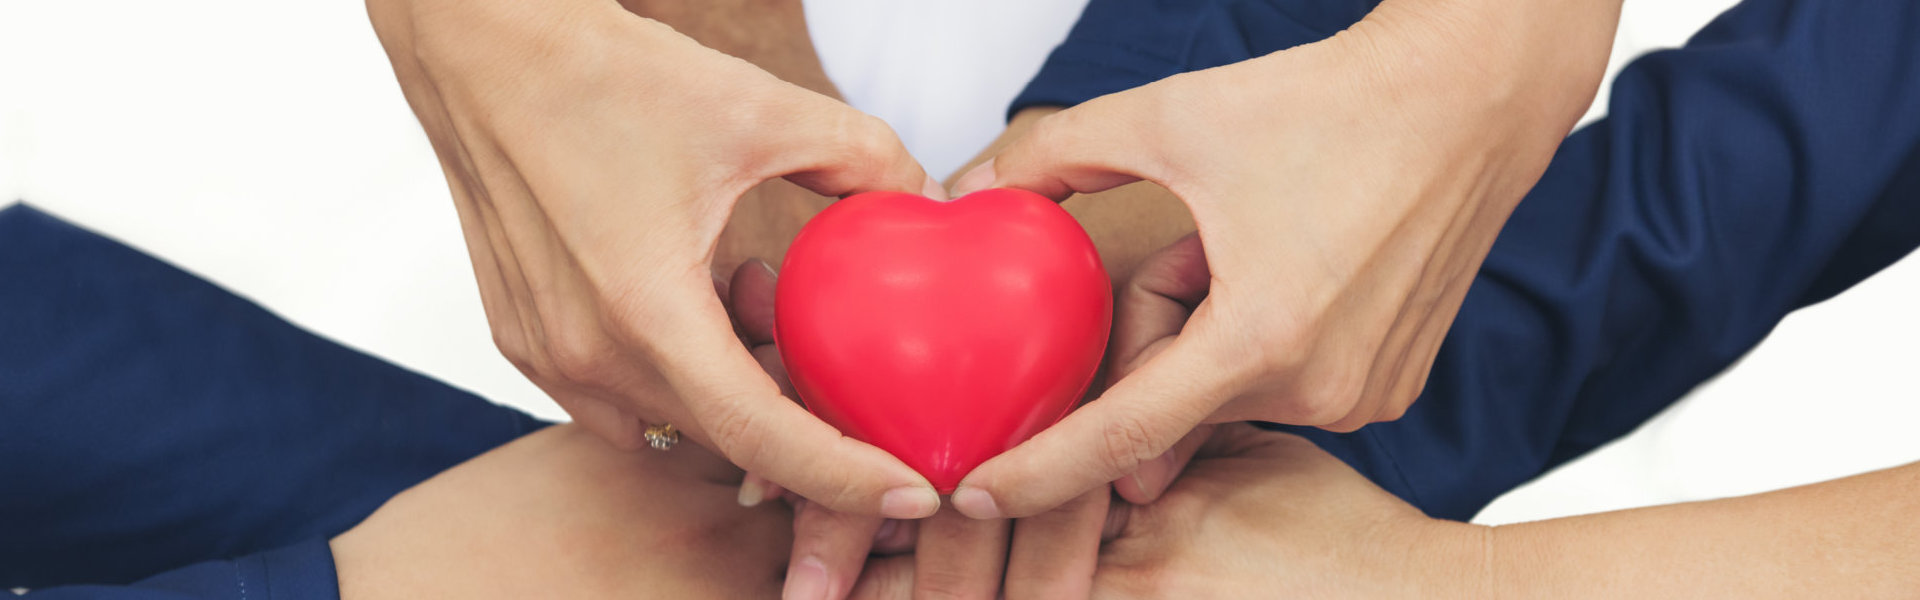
(909, 503)
(934, 190)
(763, 264)
(975, 180)
(976, 503)
(1153, 476)
(752, 492)
(807, 581)
(886, 530)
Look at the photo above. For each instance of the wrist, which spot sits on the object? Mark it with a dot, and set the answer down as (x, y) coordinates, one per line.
(1512, 66)
(1453, 560)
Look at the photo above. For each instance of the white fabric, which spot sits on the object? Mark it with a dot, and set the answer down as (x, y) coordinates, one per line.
(941, 73)
(265, 146)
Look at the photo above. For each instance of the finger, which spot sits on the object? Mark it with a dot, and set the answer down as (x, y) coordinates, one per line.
(750, 298)
(754, 489)
(1088, 148)
(751, 285)
(605, 419)
(754, 279)
(896, 536)
(1152, 478)
(958, 557)
(885, 578)
(1139, 419)
(738, 410)
(1054, 552)
(829, 549)
(1119, 515)
(1156, 302)
(841, 151)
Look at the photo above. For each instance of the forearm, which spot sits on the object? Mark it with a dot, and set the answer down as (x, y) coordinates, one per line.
(1538, 63)
(771, 35)
(1855, 537)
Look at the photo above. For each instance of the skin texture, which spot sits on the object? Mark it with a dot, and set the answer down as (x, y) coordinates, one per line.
(1345, 193)
(594, 156)
(1328, 266)
(1247, 494)
(1050, 555)
(562, 514)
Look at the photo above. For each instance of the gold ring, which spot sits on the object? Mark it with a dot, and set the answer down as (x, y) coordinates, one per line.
(662, 436)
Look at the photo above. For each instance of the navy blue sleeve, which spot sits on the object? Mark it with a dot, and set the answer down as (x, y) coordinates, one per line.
(1768, 165)
(1771, 163)
(1123, 44)
(150, 420)
(302, 571)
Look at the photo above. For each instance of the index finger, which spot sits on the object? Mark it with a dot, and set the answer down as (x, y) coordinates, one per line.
(739, 411)
(1137, 420)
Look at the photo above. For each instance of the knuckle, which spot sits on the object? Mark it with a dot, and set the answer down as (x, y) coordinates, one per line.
(871, 136)
(874, 146)
(1126, 441)
(735, 430)
(1328, 402)
(1283, 346)
(945, 582)
(1393, 412)
(1054, 130)
(581, 357)
(508, 342)
(513, 347)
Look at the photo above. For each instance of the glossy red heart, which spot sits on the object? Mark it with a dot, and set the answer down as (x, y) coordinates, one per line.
(943, 332)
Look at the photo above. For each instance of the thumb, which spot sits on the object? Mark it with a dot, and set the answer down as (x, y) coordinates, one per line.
(1088, 148)
(1156, 301)
(1154, 476)
(1139, 419)
(1152, 309)
(739, 411)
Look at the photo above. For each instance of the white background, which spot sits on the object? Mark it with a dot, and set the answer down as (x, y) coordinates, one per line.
(265, 146)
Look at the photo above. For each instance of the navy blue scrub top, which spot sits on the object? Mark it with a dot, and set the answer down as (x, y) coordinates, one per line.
(154, 427)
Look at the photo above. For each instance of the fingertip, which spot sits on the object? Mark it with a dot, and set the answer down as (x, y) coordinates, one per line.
(806, 580)
(932, 189)
(909, 502)
(753, 491)
(895, 537)
(978, 178)
(976, 503)
(1147, 483)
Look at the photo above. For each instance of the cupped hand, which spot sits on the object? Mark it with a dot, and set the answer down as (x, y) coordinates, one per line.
(1266, 514)
(594, 157)
(560, 513)
(1050, 555)
(1345, 193)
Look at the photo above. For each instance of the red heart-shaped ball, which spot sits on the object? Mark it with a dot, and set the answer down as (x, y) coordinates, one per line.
(943, 332)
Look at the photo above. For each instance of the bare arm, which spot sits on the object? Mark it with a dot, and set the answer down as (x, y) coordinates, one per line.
(1855, 537)
(1322, 530)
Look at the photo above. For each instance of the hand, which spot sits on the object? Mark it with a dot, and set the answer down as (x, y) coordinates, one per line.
(594, 157)
(830, 547)
(561, 514)
(1264, 514)
(1048, 555)
(1345, 193)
